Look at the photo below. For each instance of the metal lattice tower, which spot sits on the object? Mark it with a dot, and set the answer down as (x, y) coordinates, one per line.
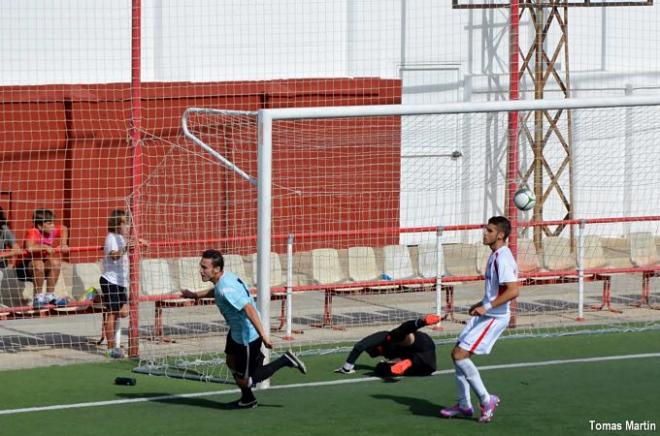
(542, 71)
(547, 177)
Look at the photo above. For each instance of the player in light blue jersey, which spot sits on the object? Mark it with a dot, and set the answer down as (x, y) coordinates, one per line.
(246, 333)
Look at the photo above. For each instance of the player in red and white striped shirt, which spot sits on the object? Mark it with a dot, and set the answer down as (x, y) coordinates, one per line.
(490, 317)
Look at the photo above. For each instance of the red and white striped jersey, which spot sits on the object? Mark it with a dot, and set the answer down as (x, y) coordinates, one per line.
(500, 269)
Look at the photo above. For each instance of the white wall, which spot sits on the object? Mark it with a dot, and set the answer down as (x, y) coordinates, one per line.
(74, 41)
(88, 41)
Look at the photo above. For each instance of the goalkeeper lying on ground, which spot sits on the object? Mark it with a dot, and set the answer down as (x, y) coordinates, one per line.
(407, 351)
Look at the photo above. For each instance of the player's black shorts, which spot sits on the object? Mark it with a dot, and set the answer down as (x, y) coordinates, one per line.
(114, 296)
(247, 357)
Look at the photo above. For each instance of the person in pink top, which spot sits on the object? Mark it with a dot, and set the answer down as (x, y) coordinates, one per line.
(44, 245)
(490, 317)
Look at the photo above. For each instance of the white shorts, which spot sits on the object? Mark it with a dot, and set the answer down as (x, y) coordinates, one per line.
(481, 333)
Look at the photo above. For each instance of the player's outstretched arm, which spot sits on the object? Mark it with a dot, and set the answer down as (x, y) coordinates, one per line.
(186, 293)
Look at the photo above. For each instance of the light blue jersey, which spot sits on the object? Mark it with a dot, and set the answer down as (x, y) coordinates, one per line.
(231, 296)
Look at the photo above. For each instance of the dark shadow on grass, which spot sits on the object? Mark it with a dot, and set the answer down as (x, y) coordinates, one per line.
(384, 379)
(417, 406)
(194, 402)
(371, 372)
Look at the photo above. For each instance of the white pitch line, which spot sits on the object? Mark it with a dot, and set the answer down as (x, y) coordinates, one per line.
(317, 384)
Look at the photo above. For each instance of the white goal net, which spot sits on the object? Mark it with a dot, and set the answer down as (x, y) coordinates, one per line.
(368, 216)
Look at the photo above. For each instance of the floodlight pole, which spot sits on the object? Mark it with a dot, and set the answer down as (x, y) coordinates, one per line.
(512, 161)
(514, 94)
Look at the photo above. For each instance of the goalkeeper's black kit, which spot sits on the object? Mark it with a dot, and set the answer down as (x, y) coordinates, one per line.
(384, 343)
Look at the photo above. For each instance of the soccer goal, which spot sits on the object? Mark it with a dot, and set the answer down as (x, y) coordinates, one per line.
(347, 220)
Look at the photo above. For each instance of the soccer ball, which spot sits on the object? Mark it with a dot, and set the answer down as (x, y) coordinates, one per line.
(524, 199)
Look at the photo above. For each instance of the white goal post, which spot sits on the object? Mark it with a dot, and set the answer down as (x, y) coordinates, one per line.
(266, 117)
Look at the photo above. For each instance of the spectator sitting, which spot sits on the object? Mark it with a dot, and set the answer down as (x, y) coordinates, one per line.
(8, 246)
(44, 244)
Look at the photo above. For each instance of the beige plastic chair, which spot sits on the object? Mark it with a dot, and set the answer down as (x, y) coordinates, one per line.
(362, 267)
(302, 268)
(397, 264)
(616, 252)
(85, 276)
(326, 270)
(643, 252)
(557, 254)
(326, 267)
(460, 259)
(155, 277)
(187, 273)
(276, 277)
(594, 255)
(643, 249)
(427, 261)
(528, 259)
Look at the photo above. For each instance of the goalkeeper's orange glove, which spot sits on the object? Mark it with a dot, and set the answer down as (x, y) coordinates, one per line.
(400, 367)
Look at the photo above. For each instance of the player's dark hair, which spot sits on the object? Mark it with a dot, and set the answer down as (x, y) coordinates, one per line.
(216, 258)
(115, 219)
(502, 224)
(42, 216)
(3, 218)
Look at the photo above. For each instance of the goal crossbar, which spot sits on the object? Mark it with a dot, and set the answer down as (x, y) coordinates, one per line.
(454, 108)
